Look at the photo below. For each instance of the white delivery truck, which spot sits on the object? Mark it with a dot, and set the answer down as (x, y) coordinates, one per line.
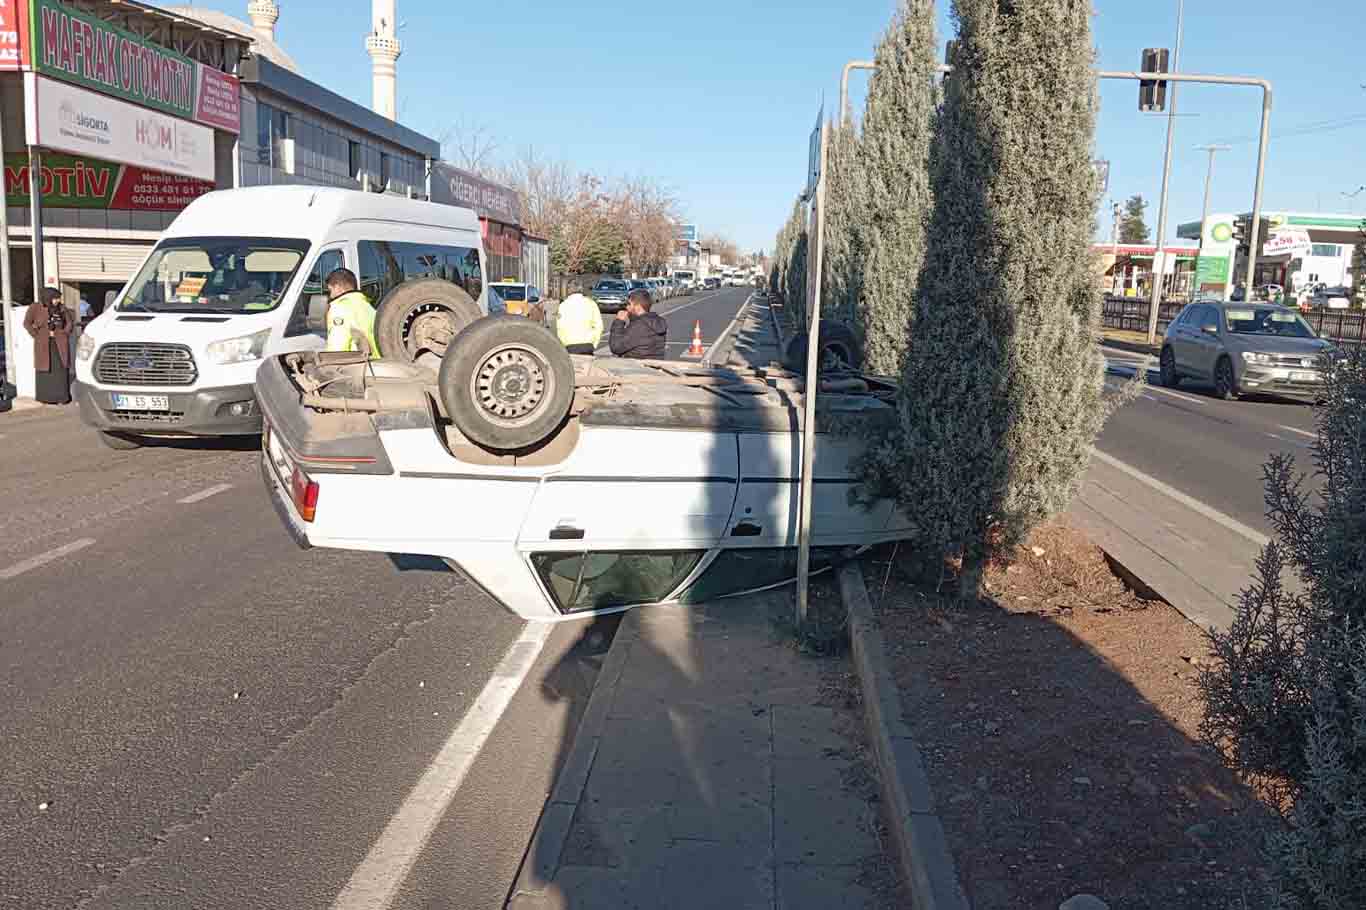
(238, 277)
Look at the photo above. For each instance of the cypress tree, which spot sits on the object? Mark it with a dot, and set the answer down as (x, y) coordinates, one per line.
(1001, 396)
(846, 206)
(897, 128)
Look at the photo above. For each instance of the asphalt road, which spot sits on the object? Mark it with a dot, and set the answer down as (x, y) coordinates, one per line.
(1210, 449)
(713, 309)
(198, 714)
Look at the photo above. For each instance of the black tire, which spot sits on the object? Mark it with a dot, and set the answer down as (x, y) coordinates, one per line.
(422, 316)
(1167, 365)
(840, 349)
(507, 384)
(120, 441)
(1225, 387)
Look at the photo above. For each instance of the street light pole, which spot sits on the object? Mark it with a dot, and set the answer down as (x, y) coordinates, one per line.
(844, 84)
(1209, 178)
(1159, 259)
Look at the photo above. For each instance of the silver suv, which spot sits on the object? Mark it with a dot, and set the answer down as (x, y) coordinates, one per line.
(1242, 348)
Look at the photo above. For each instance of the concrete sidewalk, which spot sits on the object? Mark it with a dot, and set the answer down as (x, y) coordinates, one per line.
(715, 767)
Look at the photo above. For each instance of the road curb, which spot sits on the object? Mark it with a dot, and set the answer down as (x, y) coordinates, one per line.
(927, 864)
(777, 328)
(541, 861)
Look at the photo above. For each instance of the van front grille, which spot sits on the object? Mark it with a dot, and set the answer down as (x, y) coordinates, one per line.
(145, 364)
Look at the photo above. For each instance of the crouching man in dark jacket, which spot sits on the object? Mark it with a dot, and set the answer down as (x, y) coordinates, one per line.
(637, 332)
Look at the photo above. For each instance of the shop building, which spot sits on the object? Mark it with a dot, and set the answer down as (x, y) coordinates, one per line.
(129, 112)
(500, 215)
(1305, 249)
(1127, 269)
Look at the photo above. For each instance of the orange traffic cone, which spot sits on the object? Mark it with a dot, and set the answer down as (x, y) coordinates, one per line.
(695, 349)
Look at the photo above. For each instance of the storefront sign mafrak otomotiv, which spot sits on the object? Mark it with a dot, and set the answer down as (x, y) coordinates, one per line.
(77, 47)
(70, 119)
(73, 182)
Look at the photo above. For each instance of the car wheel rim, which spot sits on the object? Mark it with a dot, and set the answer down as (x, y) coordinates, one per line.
(511, 384)
(430, 327)
(1225, 382)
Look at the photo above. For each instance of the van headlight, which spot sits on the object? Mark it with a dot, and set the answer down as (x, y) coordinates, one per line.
(85, 348)
(1252, 357)
(238, 350)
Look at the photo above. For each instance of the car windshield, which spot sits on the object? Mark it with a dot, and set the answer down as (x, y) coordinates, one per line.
(641, 284)
(511, 291)
(1268, 321)
(215, 275)
(611, 286)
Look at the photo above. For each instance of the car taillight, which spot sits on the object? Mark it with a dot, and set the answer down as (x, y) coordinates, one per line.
(305, 492)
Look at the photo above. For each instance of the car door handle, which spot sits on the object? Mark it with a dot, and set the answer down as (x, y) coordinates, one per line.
(565, 532)
(746, 529)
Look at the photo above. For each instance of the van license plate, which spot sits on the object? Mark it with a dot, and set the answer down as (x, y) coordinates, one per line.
(141, 402)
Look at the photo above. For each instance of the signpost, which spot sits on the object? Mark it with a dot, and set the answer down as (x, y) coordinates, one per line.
(816, 184)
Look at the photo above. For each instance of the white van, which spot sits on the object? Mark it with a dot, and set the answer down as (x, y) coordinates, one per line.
(238, 277)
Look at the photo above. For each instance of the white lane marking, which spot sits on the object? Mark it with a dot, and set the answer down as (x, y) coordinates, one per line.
(1298, 432)
(1189, 502)
(376, 881)
(42, 559)
(711, 349)
(205, 494)
(691, 303)
(1293, 442)
(1190, 398)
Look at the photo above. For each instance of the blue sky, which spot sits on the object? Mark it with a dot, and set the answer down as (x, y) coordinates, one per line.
(716, 99)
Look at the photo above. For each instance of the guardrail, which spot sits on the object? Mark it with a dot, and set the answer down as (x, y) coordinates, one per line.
(1344, 327)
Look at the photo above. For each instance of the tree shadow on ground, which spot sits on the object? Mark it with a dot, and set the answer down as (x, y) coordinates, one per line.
(1059, 729)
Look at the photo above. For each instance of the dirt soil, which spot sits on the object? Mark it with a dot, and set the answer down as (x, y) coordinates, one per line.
(1058, 721)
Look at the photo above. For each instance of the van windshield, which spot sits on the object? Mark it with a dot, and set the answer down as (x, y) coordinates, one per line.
(215, 275)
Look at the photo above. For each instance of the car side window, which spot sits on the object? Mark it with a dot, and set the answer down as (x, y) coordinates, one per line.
(740, 570)
(1209, 318)
(328, 261)
(592, 581)
(384, 265)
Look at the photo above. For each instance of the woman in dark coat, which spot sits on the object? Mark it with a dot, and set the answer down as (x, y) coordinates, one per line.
(50, 325)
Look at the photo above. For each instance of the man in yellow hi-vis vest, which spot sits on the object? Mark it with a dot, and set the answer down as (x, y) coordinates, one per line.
(579, 322)
(350, 317)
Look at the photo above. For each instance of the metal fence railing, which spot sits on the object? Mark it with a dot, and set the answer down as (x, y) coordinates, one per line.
(1131, 314)
(1345, 327)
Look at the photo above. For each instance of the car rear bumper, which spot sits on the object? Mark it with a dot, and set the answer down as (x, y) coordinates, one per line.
(207, 412)
(276, 490)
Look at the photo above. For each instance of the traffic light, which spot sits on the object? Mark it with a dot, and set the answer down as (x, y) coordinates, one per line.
(1152, 94)
(1263, 231)
(1242, 227)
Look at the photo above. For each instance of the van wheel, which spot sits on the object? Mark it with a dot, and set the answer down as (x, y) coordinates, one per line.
(422, 317)
(120, 441)
(840, 349)
(507, 384)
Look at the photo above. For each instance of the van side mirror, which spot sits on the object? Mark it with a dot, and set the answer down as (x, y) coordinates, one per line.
(317, 312)
(533, 295)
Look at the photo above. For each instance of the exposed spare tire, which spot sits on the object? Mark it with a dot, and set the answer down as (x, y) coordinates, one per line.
(840, 349)
(507, 383)
(417, 320)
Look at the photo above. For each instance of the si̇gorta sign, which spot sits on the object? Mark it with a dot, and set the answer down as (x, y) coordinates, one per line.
(78, 182)
(70, 119)
(77, 47)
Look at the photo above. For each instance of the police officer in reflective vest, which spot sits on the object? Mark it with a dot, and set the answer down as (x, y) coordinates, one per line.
(350, 317)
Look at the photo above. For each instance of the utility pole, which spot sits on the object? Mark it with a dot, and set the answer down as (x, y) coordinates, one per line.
(1114, 246)
(1159, 258)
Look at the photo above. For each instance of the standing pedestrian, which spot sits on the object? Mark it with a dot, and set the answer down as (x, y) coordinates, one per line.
(637, 332)
(578, 322)
(350, 317)
(50, 325)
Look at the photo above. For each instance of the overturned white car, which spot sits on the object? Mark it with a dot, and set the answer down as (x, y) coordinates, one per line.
(563, 485)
